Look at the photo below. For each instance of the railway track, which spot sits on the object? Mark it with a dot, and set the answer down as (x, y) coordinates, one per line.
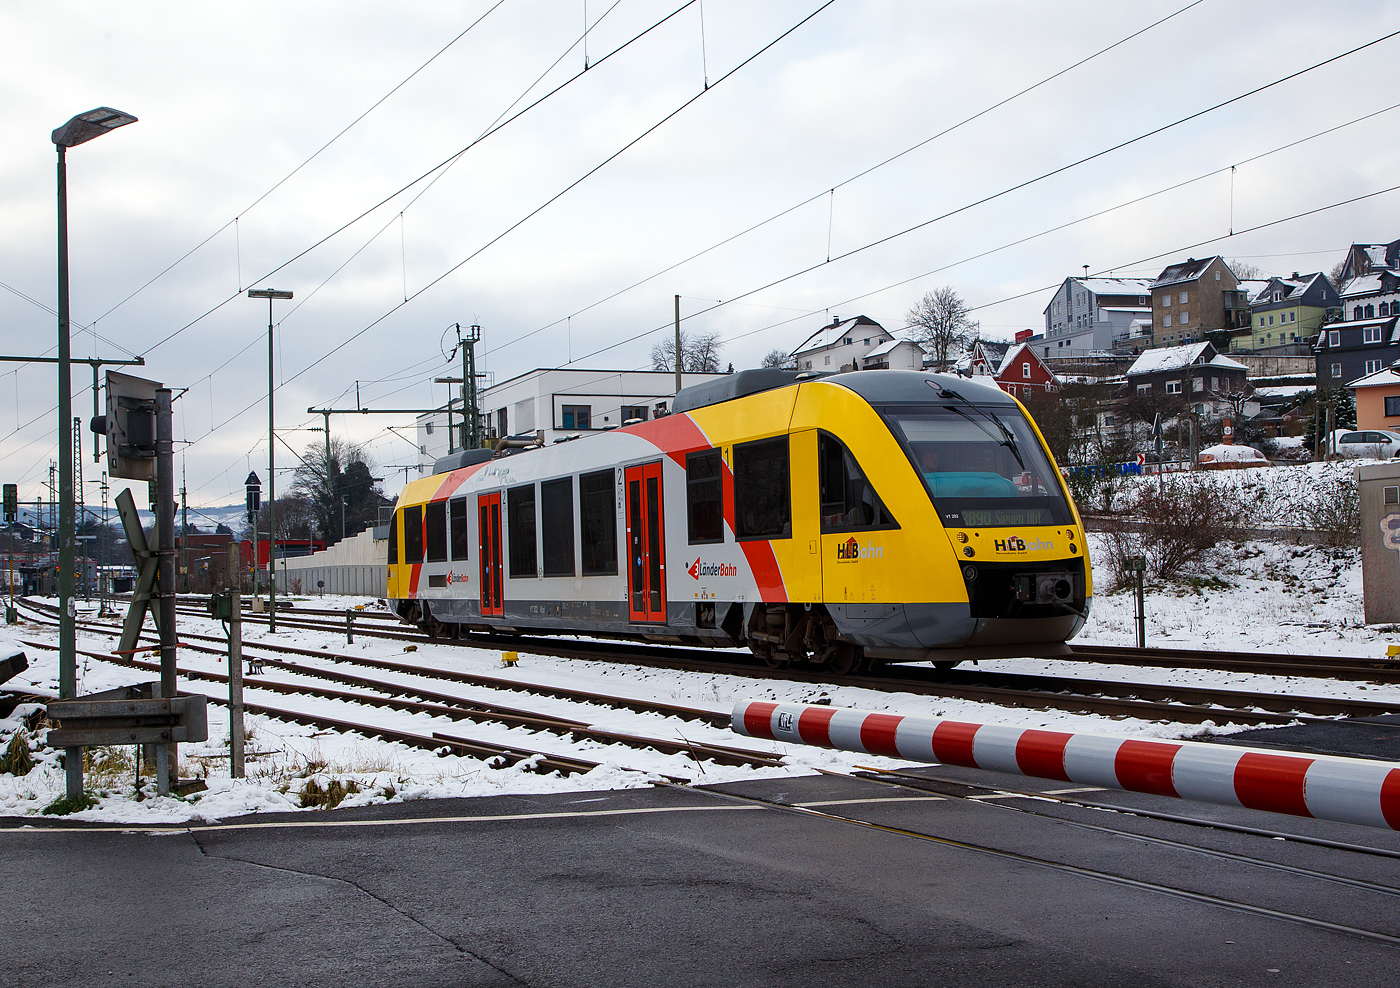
(1153, 702)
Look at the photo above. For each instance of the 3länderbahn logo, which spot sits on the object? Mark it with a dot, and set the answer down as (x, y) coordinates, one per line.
(698, 569)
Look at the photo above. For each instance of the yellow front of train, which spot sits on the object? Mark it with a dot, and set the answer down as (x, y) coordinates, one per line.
(945, 526)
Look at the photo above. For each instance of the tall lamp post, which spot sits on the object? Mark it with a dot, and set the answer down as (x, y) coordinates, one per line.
(270, 294)
(79, 130)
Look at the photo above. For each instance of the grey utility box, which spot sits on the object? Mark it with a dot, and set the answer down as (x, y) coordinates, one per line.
(1380, 540)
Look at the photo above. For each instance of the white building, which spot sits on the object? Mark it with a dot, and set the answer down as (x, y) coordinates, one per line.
(1088, 314)
(555, 402)
(842, 345)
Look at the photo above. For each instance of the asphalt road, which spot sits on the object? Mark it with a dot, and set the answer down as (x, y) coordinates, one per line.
(673, 887)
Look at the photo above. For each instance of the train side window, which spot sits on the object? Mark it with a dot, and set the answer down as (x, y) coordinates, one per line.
(413, 534)
(520, 517)
(704, 494)
(557, 526)
(598, 523)
(848, 500)
(762, 494)
(436, 515)
(457, 515)
(394, 539)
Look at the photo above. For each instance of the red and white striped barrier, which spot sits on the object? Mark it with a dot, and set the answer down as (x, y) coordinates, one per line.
(1345, 790)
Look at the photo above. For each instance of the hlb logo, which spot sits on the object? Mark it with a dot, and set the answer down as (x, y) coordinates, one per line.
(851, 550)
(698, 569)
(1013, 543)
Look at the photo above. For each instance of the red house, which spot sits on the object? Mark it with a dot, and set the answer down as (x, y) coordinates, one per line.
(1015, 368)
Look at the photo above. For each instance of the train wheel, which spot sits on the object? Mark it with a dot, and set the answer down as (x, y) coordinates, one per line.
(845, 659)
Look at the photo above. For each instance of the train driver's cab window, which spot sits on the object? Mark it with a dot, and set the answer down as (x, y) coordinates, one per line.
(457, 515)
(413, 534)
(598, 523)
(762, 495)
(436, 515)
(848, 501)
(983, 465)
(704, 497)
(394, 539)
(520, 525)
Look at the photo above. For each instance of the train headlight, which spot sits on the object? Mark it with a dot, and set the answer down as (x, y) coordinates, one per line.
(969, 551)
(969, 572)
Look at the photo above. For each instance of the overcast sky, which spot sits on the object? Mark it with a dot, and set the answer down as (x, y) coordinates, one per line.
(232, 98)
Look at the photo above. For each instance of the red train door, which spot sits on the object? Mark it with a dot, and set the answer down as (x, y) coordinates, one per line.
(489, 537)
(646, 545)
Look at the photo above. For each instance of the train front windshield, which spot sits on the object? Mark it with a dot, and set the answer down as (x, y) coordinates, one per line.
(983, 466)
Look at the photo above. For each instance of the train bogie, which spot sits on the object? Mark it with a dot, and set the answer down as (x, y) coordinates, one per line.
(846, 520)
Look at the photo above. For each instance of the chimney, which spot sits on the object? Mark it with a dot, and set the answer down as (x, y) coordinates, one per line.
(1295, 275)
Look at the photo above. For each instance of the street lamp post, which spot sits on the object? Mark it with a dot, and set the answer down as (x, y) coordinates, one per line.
(79, 130)
(270, 294)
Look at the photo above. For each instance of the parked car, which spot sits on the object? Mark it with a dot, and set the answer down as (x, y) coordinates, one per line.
(1373, 443)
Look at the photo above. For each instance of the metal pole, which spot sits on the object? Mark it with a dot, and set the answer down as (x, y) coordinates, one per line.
(271, 487)
(469, 372)
(235, 664)
(1141, 613)
(67, 639)
(165, 565)
(678, 344)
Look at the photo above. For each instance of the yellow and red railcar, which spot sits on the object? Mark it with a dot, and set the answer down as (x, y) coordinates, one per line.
(843, 520)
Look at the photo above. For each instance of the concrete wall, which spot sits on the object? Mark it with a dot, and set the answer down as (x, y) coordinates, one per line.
(357, 566)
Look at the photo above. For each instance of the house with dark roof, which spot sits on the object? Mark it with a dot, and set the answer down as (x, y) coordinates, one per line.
(1196, 373)
(1289, 310)
(1355, 348)
(1196, 297)
(1364, 259)
(987, 356)
(841, 345)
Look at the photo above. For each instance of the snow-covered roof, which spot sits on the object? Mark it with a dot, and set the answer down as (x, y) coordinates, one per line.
(832, 334)
(1284, 390)
(1385, 377)
(1188, 270)
(1126, 308)
(1366, 284)
(889, 347)
(1168, 358)
(1117, 286)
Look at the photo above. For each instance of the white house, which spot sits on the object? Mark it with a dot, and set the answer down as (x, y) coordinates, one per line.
(1088, 314)
(842, 345)
(555, 402)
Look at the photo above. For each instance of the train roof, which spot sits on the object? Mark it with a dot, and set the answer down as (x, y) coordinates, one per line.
(875, 386)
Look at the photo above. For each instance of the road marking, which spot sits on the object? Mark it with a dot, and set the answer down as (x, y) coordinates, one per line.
(311, 824)
(873, 799)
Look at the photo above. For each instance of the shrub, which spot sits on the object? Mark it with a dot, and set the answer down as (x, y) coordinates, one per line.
(1176, 527)
(1332, 512)
(17, 760)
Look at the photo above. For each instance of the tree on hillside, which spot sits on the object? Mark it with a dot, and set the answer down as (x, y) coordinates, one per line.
(1245, 271)
(699, 353)
(342, 483)
(940, 324)
(779, 359)
(1335, 275)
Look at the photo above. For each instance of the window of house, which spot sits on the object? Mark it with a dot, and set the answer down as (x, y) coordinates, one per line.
(1142, 300)
(598, 523)
(1047, 351)
(557, 526)
(1370, 312)
(1356, 312)
(1166, 300)
(762, 498)
(413, 534)
(1198, 384)
(1392, 406)
(1166, 321)
(576, 416)
(1144, 388)
(1271, 320)
(1334, 337)
(1183, 298)
(1261, 320)
(1293, 316)
(520, 522)
(1026, 369)
(848, 501)
(704, 497)
(1217, 276)
(428, 426)
(1336, 370)
(457, 515)
(1173, 387)
(435, 514)
(828, 360)
(1370, 334)
(1372, 366)
(630, 412)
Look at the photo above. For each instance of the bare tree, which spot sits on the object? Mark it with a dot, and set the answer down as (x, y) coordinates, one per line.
(779, 359)
(940, 323)
(1335, 275)
(699, 354)
(1244, 271)
(337, 488)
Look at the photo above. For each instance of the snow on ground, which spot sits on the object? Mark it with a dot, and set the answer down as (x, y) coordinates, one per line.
(1258, 596)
